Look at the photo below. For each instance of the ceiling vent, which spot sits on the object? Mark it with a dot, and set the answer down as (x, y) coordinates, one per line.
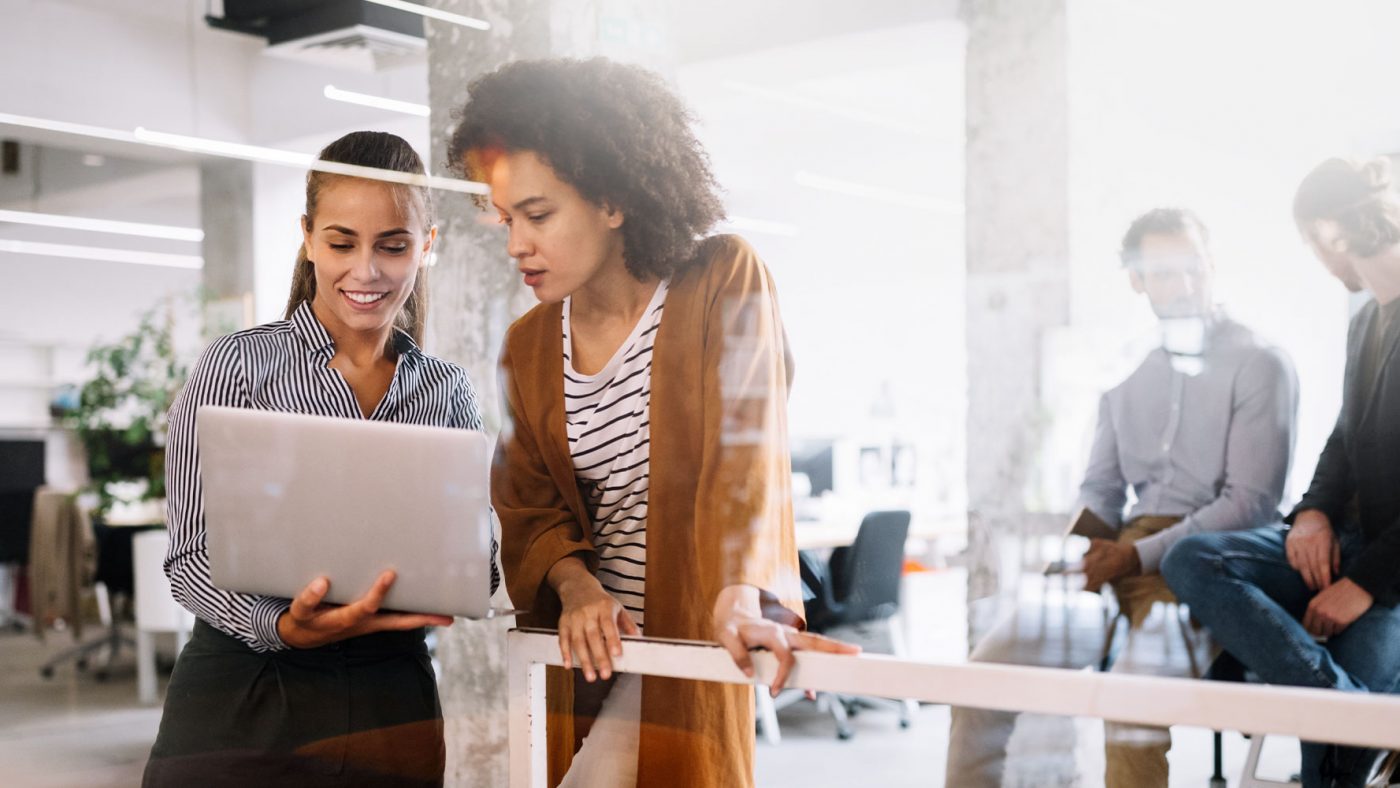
(350, 34)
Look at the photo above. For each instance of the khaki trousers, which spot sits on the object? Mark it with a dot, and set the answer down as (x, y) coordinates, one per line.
(1136, 756)
(1159, 643)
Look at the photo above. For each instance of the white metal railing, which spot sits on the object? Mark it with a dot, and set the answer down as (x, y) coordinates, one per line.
(1310, 714)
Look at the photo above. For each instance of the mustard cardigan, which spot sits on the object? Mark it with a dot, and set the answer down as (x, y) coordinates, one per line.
(719, 506)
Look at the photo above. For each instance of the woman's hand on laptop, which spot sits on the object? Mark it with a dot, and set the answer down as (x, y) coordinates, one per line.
(310, 622)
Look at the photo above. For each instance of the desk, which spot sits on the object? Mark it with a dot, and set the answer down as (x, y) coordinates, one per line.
(114, 562)
(131, 551)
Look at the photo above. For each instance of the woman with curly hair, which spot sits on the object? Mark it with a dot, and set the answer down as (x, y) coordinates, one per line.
(642, 482)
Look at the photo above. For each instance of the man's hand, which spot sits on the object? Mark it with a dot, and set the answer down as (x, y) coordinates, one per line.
(1107, 561)
(310, 622)
(1313, 550)
(1333, 610)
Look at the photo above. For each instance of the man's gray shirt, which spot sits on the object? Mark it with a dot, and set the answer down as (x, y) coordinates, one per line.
(1212, 447)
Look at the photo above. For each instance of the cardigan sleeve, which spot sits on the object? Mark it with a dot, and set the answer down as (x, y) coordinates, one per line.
(537, 527)
(744, 496)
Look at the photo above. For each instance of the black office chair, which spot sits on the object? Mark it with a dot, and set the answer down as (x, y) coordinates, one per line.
(854, 596)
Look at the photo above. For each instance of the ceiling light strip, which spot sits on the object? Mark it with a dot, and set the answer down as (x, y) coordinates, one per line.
(378, 102)
(807, 102)
(66, 127)
(103, 254)
(868, 191)
(302, 160)
(236, 150)
(143, 230)
(434, 13)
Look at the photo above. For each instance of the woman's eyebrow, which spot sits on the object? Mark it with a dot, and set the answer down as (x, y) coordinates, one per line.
(343, 230)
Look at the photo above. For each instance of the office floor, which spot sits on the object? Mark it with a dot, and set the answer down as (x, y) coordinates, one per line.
(71, 730)
(75, 731)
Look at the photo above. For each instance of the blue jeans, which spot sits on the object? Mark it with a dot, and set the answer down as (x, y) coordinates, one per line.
(1239, 584)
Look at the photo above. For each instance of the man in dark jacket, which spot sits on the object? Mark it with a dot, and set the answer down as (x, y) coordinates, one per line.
(1313, 603)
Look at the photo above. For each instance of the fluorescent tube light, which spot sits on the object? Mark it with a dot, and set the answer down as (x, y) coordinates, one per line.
(433, 13)
(236, 150)
(192, 234)
(378, 102)
(867, 191)
(807, 102)
(66, 127)
(103, 254)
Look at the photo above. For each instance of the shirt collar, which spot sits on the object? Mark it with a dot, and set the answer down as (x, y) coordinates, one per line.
(315, 336)
(318, 340)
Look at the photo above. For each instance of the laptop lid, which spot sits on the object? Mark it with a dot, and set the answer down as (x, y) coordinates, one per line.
(290, 497)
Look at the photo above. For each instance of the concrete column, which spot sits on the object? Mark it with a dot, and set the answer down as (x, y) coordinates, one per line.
(1018, 285)
(1017, 257)
(226, 214)
(476, 293)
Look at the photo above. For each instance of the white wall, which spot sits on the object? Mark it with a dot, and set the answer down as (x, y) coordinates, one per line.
(1222, 108)
(871, 289)
(127, 63)
(155, 63)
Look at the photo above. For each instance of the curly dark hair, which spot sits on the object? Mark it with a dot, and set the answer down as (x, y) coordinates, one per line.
(616, 133)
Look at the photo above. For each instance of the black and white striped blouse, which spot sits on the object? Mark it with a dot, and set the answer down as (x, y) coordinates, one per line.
(609, 424)
(282, 366)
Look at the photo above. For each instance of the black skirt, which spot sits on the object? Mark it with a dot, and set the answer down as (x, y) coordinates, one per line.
(362, 712)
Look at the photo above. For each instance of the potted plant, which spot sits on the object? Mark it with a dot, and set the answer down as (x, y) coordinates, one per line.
(120, 416)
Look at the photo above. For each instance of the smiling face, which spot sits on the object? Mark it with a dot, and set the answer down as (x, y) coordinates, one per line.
(366, 247)
(559, 240)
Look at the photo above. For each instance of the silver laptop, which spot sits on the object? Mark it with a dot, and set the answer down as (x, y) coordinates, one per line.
(288, 498)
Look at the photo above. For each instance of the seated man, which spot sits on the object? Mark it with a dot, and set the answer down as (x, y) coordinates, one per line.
(1314, 604)
(1202, 432)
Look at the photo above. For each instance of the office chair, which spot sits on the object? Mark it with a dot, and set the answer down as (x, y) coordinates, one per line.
(64, 557)
(855, 596)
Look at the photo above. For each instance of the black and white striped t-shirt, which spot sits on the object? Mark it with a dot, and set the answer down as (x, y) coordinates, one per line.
(609, 418)
(281, 366)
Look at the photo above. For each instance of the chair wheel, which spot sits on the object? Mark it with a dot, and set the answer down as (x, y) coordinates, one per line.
(904, 724)
(844, 735)
(100, 675)
(81, 664)
(46, 672)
